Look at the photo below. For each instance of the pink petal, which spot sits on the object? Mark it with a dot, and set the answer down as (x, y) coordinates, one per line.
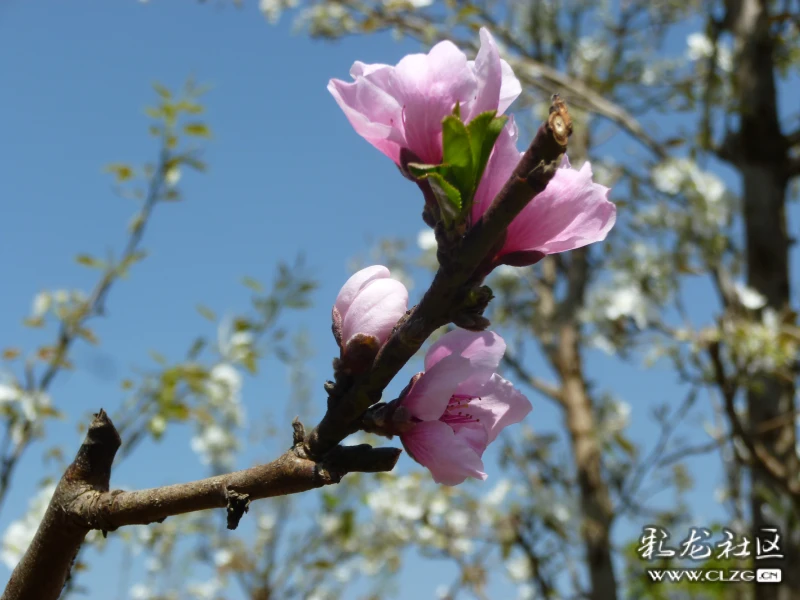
(372, 111)
(498, 404)
(484, 350)
(360, 69)
(428, 397)
(472, 434)
(376, 310)
(449, 458)
(488, 72)
(510, 88)
(429, 87)
(497, 85)
(355, 284)
(504, 159)
(572, 212)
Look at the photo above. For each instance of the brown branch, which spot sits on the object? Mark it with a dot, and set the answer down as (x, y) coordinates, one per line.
(758, 452)
(45, 567)
(453, 281)
(82, 501)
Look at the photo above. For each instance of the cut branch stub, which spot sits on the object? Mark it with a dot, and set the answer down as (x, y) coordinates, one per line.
(238, 504)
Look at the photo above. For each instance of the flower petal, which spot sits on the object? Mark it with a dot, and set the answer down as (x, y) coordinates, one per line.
(489, 74)
(483, 349)
(430, 394)
(354, 285)
(498, 87)
(497, 405)
(449, 458)
(504, 159)
(571, 212)
(376, 310)
(472, 434)
(429, 87)
(372, 111)
(510, 88)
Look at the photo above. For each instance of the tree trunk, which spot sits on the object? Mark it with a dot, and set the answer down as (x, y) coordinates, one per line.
(760, 153)
(595, 498)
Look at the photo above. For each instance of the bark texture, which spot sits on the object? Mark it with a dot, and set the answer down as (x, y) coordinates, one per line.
(759, 151)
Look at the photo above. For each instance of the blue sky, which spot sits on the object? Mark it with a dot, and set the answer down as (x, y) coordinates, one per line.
(287, 175)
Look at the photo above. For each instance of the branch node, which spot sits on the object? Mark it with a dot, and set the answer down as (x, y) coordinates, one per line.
(298, 432)
(238, 504)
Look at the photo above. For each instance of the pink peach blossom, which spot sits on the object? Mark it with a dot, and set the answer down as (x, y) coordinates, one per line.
(369, 303)
(459, 405)
(571, 212)
(400, 109)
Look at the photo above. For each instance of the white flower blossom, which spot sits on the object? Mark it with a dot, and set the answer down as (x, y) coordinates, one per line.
(41, 304)
(561, 513)
(498, 493)
(462, 545)
(234, 346)
(426, 240)
(223, 557)
(748, 297)
(329, 524)
(215, 446)
(457, 520)
(172, 176)
(700, 47)
(519, 569)
(206, 590)
(628, 301)
(140, 592)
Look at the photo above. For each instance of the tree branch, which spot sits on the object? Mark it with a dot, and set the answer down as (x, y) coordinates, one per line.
(758, 451)
(453, 281)
(82, 501)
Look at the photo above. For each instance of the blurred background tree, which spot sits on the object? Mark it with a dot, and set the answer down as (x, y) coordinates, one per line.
(662, 364)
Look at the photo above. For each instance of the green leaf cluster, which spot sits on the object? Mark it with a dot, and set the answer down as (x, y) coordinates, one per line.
(465, 153)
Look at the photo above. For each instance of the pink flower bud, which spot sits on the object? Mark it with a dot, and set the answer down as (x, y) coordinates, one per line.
(367, 308)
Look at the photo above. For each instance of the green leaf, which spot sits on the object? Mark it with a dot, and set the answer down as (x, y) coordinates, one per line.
(192, 108)
(158, 357)
(194, 163)
(457, 155)
(197, 129)
(250, 363)
(484, 131)
(254, 285)
(330, 501)
(121, 171)
(89, 261)
(448, 197)
(34, 323)
(206, 312)
(162, 91)
(421, 171)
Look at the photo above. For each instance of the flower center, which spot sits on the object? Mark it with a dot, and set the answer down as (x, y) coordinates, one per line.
(457, 410)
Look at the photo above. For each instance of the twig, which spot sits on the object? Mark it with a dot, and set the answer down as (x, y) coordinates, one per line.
(453, 280)
(82, 500)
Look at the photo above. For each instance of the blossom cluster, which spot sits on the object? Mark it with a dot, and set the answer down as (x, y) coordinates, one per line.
(411, 112)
